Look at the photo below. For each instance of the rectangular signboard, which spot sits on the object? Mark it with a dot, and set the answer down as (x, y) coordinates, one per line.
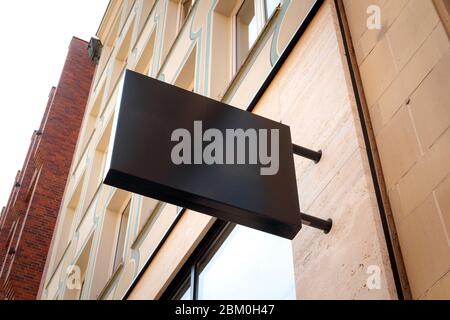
(194, 152)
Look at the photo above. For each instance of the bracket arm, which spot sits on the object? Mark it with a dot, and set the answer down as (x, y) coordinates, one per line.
(307, 153)
(317, 223)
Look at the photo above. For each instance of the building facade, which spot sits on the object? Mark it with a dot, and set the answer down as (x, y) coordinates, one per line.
(364, 82)
(28, 221)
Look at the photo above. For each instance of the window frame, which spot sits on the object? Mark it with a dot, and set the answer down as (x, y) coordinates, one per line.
(262, 20)
(189, 275)
(190, 272)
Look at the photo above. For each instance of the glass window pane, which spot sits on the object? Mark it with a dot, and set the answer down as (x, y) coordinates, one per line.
(252, 33)
(271, 5)
(247, 30)
(187, 295)
(249, 265)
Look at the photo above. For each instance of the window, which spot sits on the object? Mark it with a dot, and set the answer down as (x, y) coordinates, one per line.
(110, 253)
(250, 21)
(147, 6)
(186, 78)
(149, 209)
(221, 68)
(68, 219)
(120, 246)
(98, 166)
(247, 30)
(82, 263)
(270, 6)
(145, 62)
(90, 122)
(237, 263)
(185, 8)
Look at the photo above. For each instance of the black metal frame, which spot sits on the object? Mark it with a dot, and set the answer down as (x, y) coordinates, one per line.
(208, 247)
(190, 271)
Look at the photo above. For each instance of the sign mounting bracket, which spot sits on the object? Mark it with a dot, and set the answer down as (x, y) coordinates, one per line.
(315, 156)
(317, 223)
(307, 220)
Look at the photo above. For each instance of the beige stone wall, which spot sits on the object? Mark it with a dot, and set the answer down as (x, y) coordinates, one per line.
(316, 100)
(405, 72)
(313, 95)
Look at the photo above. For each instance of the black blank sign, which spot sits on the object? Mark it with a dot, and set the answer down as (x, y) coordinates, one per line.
(149, 112)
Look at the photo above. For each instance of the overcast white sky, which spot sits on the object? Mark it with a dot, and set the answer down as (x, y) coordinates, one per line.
(34, 35)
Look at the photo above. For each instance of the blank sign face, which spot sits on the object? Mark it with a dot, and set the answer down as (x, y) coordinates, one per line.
(194, 152)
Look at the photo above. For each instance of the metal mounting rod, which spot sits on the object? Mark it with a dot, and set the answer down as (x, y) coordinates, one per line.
(307, 153)
(317, 223)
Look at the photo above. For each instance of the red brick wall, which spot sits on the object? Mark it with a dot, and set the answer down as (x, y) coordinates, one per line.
(43, 179)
